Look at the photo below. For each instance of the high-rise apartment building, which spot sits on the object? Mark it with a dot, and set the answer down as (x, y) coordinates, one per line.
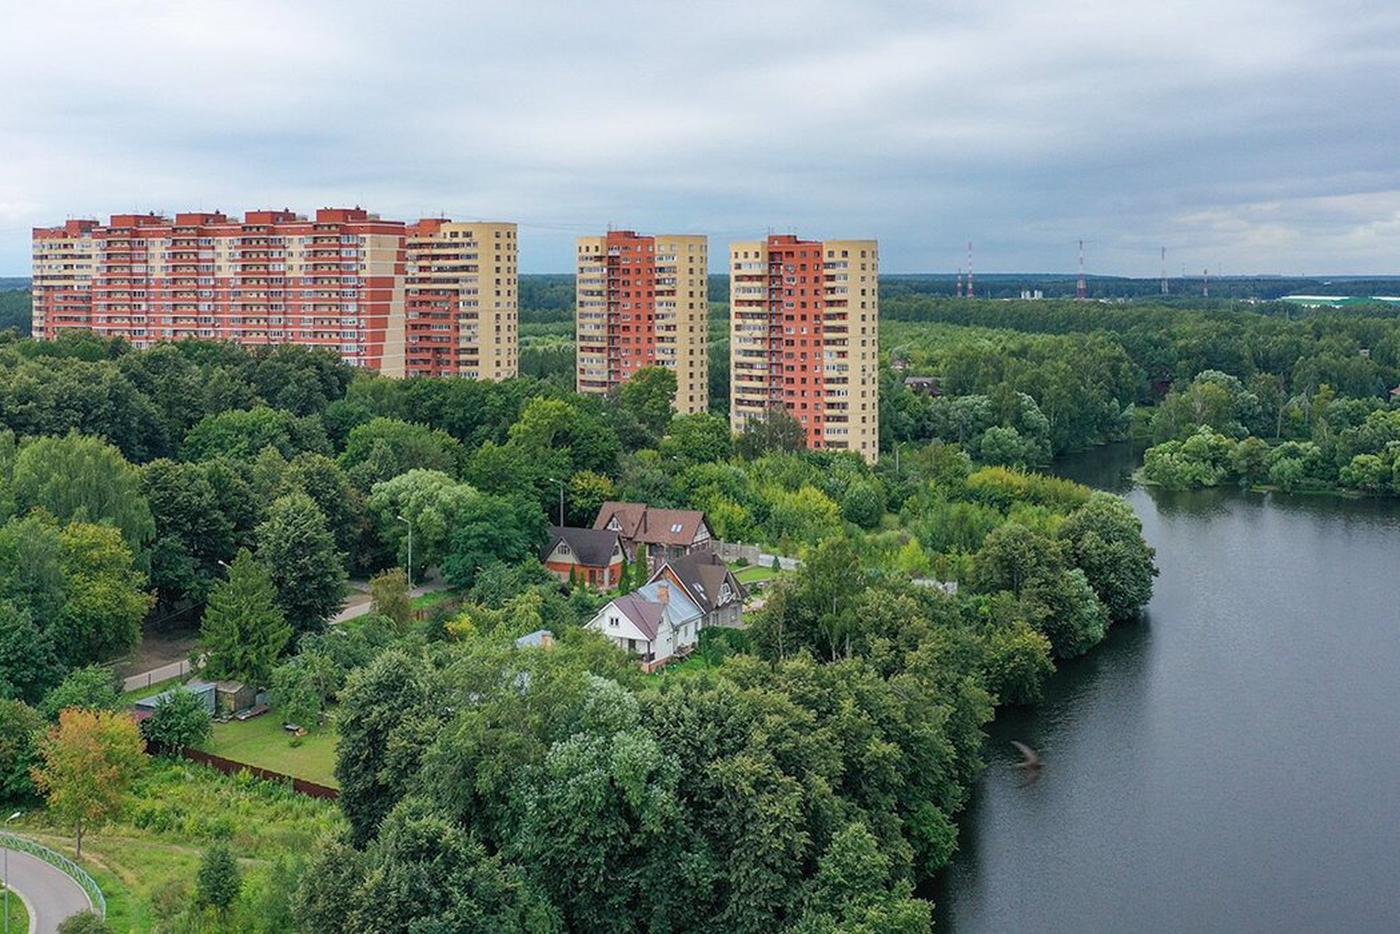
(644, 301)
(462, 299)
(64, 261)
(438, 299)
(804, 337)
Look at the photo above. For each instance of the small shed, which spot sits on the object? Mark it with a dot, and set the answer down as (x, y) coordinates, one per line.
(233, 696)
(204, 690)
(923, 385)
(540, 638)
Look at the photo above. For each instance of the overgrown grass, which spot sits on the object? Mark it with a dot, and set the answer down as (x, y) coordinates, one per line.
(19, 918)
(262, 742)
(433, 597)
(146, 861)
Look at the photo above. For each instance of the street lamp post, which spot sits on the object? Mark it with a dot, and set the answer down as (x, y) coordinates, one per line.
(410, 552)
(7, 875)
(561, 499)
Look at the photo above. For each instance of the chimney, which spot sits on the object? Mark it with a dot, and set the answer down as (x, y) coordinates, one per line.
(663, 592)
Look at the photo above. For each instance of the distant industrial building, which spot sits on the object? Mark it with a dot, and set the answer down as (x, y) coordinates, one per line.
(804, 337)
(643, 301)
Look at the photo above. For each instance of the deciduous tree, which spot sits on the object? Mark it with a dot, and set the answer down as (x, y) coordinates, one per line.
(89, 760)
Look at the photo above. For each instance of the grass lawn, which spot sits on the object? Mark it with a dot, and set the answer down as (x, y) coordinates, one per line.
(146, 861)
(262, 742)
(434, 597)
(155, 687)
(19, 918)
(755, 573)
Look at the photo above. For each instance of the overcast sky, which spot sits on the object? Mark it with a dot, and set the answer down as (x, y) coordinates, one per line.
(1244, 136)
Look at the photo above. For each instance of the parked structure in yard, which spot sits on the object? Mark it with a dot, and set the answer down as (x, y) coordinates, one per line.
(644, 301)
(591, 556)
(206, 691)
(539, 639)
(657, 623)
(709, 583)
(804, 337)
(656, 534)
(924, 385)
(232, 696)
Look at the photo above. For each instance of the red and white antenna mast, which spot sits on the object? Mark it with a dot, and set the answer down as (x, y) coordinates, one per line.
(969, 269)
(1081, 291)
(1164, 270)
(1205, 283)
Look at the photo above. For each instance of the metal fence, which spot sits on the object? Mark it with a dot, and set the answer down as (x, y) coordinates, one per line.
(56, 859)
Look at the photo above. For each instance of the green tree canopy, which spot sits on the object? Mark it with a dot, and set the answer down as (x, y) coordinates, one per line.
(244, 629)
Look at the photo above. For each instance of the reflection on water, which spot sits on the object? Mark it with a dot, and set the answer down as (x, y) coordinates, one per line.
(1226, 764)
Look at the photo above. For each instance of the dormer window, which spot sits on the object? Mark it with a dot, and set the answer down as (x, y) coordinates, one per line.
(563, 548)
(614, 524)
(724, 593)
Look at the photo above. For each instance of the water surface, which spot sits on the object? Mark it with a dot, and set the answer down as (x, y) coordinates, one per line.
(1231, 762)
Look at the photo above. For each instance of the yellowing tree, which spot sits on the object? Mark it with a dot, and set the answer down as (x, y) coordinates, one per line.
(89, 761)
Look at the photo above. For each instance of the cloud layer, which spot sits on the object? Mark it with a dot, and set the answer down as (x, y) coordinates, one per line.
(1243, 135)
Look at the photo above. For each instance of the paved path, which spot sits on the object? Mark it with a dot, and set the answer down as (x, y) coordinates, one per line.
(356, 606)
(49, 893)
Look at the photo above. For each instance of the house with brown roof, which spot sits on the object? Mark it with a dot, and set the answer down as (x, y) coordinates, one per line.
(656, 533)
(591, 556)
(656, 623)
(709, 583)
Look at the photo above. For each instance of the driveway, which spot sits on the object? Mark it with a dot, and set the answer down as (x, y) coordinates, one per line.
(50, 894)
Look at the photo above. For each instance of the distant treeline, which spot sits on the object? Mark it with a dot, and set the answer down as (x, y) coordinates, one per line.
(14, 309)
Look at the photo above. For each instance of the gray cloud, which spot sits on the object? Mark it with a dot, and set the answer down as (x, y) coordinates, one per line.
(1245, 135)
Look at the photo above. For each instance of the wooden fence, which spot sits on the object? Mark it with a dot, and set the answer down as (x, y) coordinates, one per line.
(230, 767)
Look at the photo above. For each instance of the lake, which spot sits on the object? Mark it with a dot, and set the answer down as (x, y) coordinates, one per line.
(1229, 763)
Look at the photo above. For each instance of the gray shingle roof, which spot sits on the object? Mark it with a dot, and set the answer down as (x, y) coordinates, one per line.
(593, 547)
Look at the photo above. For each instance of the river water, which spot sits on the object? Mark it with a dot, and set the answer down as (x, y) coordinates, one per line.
(1229, 763)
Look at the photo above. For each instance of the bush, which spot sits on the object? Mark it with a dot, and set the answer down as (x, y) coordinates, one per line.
(180, 719)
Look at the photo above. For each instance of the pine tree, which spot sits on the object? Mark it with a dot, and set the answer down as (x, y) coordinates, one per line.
(244, 630)
(219, 879)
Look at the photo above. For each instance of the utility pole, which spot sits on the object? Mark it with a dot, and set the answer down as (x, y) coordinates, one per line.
(1081, 290)
(410, 553)
(561, 499)
(13, 816)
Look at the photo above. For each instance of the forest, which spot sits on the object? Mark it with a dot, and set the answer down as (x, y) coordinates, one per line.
(1268, 395)
(802, 774)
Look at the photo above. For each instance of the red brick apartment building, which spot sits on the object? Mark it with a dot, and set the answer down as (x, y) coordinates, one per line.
(338, 281)
(643, 301)
(804, 338)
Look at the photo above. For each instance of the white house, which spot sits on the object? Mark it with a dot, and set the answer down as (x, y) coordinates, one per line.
(656, 623)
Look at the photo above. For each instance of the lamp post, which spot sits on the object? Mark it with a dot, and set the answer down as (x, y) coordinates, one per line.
(561, 499)
(7, 875)
(410, 553)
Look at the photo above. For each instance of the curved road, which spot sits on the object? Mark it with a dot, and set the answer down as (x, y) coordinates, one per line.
(50, 893)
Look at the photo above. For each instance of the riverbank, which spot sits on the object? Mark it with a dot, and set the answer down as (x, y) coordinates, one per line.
(1217, 766)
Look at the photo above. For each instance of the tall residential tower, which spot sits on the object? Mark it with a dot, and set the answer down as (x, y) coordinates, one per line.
(644, 301)
(462, 294)
(804, 337)
(438, 298)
